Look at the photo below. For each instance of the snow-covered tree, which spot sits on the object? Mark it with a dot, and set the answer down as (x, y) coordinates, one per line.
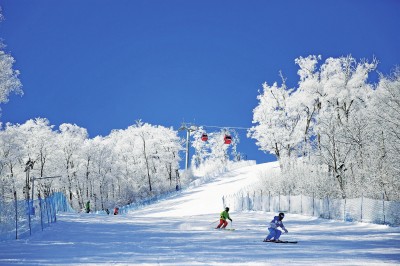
(11, 157)
(170, 146)
(201, 147)
(384, 127)
(40, 147)
(276, 122)
(9, 82)
(345, 90)
(102, 169)
(71, 139)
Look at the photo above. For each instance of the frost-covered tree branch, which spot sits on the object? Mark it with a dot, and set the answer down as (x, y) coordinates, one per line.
(9, 82)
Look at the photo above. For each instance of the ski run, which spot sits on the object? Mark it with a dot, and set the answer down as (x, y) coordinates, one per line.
(181, 231)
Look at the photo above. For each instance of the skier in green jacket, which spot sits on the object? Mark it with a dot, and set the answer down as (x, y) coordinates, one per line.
(223, 216)
(87, 207)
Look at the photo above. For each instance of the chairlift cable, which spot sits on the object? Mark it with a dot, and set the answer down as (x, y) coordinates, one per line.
(245, 128)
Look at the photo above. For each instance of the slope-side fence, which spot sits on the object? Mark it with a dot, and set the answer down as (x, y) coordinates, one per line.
(19, 218)
(358, 209)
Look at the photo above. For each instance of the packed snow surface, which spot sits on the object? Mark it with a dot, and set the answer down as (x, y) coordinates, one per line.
(180, 231)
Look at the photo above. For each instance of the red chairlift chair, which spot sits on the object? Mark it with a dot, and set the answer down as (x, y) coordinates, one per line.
(227, 139)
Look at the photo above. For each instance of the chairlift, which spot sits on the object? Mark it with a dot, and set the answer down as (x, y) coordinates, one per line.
(227, 139)
(204, 137)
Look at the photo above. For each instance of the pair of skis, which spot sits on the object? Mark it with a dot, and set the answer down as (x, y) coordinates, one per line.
(226, 229)
(281, 242)
(278, 242)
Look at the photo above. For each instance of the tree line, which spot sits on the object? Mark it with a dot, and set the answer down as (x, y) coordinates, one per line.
(123, 167)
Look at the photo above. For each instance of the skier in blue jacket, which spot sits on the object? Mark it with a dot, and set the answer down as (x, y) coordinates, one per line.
(274, 232)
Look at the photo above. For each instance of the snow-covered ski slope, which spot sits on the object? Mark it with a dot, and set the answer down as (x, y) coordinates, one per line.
(207, 198)
(179, 231)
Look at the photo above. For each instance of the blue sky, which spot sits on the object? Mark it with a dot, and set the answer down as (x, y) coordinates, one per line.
(105, 64)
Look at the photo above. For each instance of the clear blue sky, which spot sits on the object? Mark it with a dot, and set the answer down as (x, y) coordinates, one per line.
(104, 64)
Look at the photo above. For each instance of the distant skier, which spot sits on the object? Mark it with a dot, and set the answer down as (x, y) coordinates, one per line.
(116, 210)
(223, 216)
(274, 232)
(87, 207)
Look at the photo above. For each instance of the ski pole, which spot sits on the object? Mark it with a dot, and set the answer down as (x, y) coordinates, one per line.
(214, 222)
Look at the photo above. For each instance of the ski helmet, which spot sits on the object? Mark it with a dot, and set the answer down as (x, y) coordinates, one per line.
(227, 209)
(281, 216)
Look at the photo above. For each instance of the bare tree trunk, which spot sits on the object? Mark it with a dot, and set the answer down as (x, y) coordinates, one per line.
(147, 163)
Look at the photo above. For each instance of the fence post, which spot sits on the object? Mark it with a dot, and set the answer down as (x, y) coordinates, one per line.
(254, 199)
(64, 203)
(46, 201)
(51, 209)
(279, 202)
(248, 201)
(28, 212)
(362, 200)
(301, 203)
(329, 210)
(41, 211)
(54, 208)
(313, 203)
(383, 202)
(16, 215)
(269, 201)
(242, 201)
